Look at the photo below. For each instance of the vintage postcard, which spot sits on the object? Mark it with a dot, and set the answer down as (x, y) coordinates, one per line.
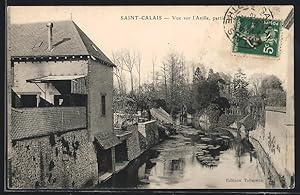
(150, 97)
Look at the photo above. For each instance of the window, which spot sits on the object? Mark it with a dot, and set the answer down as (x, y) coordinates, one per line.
(103, 110)
(28, 101)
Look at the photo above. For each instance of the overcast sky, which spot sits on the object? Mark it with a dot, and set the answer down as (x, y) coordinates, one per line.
(201, 41)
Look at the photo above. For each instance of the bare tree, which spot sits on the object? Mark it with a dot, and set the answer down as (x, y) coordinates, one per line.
(174, 78)
(154, 62)
(130, 60)
(255, 82)
(138, 67)
(165, 78)
(126, 61)
(156, 79)
(118, 71)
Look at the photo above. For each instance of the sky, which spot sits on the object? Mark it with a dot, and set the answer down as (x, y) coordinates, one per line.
(201, 41)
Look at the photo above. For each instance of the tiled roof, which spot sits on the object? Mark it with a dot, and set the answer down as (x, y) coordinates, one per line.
(31, 40)
(107, 140)
(91, 47)
(33, 122)
(121, 133)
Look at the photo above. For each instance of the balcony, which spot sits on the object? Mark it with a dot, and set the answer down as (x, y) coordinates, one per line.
(35, 122)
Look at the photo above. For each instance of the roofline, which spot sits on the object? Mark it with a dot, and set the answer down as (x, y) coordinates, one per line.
(48, 134)
(59, 58)
(82, 33)
(103, 62)
(40, 22)
(49, 58)
(40, 79)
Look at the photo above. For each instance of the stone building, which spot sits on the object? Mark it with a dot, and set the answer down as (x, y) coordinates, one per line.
(60, 118)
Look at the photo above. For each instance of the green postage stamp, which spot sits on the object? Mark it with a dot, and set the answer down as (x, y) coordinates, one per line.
(257, 36)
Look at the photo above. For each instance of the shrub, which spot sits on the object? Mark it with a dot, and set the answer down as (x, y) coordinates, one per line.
(225, 120)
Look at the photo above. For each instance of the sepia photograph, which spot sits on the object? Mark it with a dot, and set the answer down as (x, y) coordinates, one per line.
(150, 97)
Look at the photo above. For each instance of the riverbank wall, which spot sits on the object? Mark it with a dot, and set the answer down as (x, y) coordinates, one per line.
(143, 136)
(52, 154)
(274, 144)
(271, 176)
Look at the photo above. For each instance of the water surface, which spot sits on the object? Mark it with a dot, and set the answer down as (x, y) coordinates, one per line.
(195, 161)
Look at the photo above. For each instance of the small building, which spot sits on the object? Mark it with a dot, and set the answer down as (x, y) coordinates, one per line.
(60, 118)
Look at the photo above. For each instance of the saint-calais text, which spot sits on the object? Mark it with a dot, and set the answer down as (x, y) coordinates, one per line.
(141, 17)
(246, 180)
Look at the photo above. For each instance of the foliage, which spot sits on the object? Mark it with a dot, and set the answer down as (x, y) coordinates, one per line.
(144, 98)
(223, 103)
(272, 82)
(198, 75)
(210, 92)
(240, 94)
(272, 91)
(256, 101)
(275, 98)
(225, 77)
(213, 76)
(225, 120)
(250, 122)
(176, 86)
(269, 88)
(213, 111)
(255, 82)
(206, 95)
(206, 92)
(124, 104)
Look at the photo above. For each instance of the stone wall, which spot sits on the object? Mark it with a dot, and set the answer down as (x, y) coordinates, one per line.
(133, 143)
(143, 136)
(65, 160)
(271, 176)
(148, 134)
(152, 136)
(274, 139)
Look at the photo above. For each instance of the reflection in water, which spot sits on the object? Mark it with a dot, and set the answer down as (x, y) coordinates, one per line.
(201, 162)
(173, 167)
(169, 171)
(142, 172)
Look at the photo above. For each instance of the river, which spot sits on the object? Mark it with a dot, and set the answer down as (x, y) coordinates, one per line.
(197, 161)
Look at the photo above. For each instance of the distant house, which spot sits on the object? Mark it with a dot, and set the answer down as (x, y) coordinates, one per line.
(60, 102)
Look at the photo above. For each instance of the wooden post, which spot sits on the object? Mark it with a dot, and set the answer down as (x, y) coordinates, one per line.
(38, 100)
(113, 159)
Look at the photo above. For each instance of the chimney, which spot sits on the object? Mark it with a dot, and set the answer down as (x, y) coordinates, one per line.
(50, 26)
